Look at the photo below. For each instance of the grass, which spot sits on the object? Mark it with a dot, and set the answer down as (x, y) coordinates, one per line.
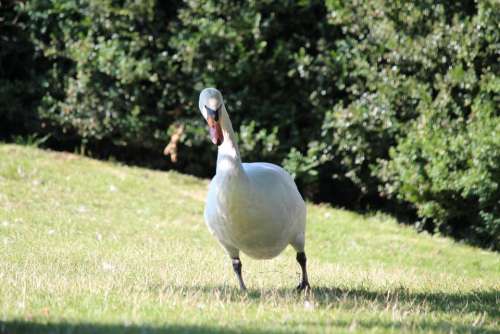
(95, 247)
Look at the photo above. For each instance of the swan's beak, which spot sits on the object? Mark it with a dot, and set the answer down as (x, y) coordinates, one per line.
(215, 131)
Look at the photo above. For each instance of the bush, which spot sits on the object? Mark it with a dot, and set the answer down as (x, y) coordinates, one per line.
(134, 70)
(250, 50)
(368, 104)
(448, 164)
(414, 85)
(109, 80)
(382, 65)
(18, 85)
(450, 170)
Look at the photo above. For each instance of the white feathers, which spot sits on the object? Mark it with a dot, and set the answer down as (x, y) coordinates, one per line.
(252, 207)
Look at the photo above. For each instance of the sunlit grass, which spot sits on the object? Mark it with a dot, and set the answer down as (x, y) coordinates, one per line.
(89, 246)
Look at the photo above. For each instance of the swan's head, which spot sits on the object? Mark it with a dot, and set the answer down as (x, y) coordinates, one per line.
(210, 105)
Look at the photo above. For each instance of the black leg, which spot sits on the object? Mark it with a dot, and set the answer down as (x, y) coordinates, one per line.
(301, 259)
(237, 270)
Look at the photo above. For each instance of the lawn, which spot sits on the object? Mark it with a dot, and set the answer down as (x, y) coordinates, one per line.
(96, 247)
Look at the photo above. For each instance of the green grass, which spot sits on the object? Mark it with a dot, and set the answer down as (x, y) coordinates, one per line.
(95, 247)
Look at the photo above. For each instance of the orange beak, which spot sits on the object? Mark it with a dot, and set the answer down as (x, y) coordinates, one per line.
(215, 131)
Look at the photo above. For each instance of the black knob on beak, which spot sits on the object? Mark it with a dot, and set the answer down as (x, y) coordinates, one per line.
(213, 113)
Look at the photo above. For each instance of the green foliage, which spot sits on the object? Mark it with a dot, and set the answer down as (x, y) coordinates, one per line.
(448, 163)
(34, 140)
(108, 80)
(449, 168)
(18, 86)
(420, 80)
(250, 50)
(355, 99)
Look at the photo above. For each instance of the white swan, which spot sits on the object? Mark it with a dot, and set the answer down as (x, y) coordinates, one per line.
(251, 207)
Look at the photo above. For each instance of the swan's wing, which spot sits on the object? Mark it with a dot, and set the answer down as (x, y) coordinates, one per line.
(269, 175)
(277, 186)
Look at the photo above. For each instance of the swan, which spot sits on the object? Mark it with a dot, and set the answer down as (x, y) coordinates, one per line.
(254, 208)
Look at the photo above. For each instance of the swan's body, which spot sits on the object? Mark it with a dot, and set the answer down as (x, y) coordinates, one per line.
(251, 207)
(257, 210)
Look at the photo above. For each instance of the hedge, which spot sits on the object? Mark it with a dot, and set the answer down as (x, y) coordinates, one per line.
(369, 104)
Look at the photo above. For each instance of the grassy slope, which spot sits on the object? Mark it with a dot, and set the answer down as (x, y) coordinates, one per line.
(90, 246)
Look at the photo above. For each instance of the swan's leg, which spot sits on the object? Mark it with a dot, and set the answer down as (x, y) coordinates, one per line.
(301, 259)
(237, 270)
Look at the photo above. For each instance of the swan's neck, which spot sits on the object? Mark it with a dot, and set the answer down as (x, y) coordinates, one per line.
(228, 156)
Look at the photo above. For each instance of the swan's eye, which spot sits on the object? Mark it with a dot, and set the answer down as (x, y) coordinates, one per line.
(213, 113)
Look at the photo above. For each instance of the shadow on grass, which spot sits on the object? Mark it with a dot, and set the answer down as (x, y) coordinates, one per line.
(478, 303)
(425, 326)
(26, 327)
(486, 301)
(468, 302)
(20, 326)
